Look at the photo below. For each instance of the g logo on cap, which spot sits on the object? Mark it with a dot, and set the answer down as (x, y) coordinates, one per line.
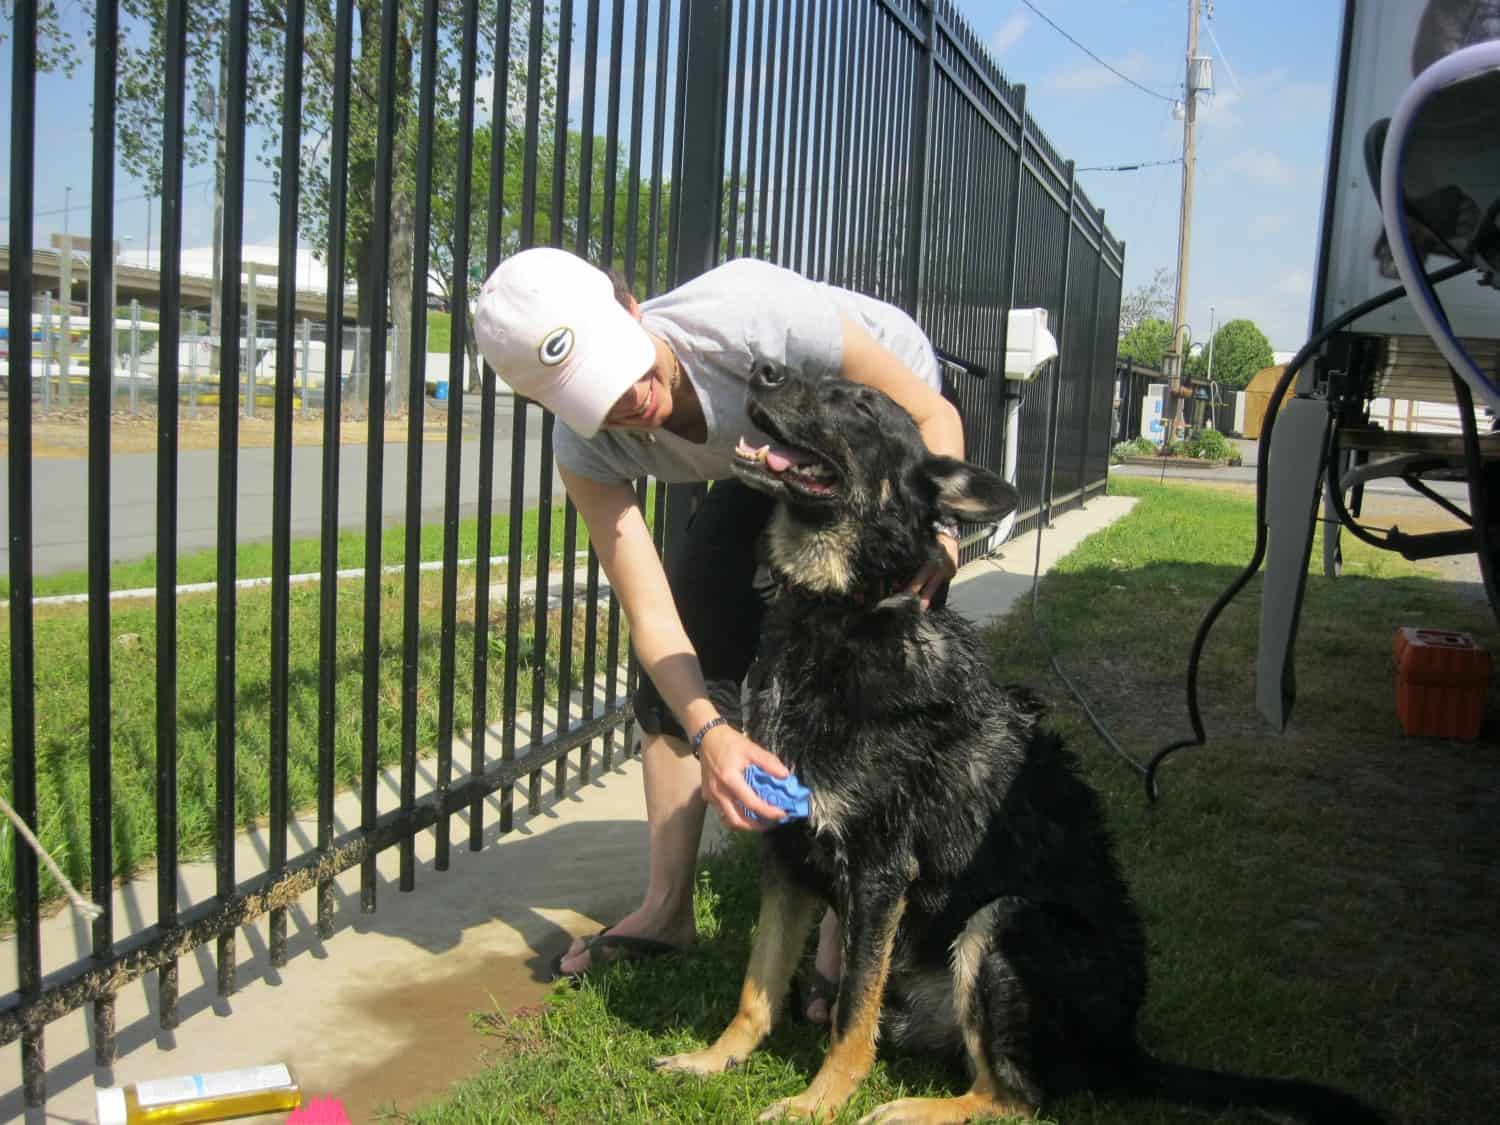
(556, 346)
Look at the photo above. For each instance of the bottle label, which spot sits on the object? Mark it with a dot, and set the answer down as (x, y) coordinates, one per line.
(218, 1084)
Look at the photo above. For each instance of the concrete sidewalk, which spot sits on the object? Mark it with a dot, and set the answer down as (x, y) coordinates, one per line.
(379, 1014)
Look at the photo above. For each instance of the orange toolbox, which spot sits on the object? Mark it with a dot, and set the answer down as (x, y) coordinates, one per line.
(1441, 682)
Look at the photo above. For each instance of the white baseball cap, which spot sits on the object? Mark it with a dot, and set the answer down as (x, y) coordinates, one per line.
(549, 324)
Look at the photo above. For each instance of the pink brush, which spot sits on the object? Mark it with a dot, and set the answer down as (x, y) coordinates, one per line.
(319, 1111)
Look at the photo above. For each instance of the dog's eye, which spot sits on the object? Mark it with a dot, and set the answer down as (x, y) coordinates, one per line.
(864, 407)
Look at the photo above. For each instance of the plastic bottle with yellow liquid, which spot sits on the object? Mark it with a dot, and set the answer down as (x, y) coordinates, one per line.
(190, 1098)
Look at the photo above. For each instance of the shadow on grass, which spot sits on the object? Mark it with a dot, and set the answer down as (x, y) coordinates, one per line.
(1318, 902)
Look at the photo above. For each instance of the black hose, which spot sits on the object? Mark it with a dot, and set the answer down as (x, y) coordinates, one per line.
(1263, 458)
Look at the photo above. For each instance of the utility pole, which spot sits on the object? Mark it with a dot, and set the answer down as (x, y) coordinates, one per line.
(1178, 347)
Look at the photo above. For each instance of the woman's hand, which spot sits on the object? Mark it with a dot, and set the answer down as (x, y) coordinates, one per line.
(724, 754)
(941, 567)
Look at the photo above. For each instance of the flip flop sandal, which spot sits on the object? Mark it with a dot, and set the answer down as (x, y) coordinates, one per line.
(628, 949)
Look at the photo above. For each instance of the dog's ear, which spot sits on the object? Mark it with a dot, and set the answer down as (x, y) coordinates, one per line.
(969, 492)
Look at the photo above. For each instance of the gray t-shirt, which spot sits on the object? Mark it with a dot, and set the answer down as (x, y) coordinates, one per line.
(721, 325)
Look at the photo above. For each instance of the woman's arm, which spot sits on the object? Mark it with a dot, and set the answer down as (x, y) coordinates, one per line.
(628, 555)
(865, 361)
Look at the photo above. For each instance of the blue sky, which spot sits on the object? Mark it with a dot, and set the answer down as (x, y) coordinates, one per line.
(1262, 142)
(1262, 139)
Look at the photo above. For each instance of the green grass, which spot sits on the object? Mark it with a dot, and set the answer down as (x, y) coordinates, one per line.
(62, 686)
(253, 560)
(439, 332)
(1319, 902)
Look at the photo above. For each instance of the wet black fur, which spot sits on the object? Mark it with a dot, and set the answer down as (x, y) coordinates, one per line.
(936, 792)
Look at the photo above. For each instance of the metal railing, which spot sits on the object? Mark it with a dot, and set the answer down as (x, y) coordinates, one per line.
(869, 143)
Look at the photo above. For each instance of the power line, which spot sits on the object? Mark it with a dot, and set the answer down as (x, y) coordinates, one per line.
(1130, 167)
(1223, 58)
(1096, 58)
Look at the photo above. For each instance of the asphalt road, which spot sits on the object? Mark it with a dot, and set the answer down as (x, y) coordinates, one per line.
(60, 495)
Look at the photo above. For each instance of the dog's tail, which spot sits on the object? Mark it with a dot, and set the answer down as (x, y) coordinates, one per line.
(1301, 1101)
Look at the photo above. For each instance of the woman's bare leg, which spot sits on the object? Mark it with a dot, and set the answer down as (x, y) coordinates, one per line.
(674, 825)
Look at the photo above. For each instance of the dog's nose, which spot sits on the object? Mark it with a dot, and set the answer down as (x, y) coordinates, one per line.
(769, 376)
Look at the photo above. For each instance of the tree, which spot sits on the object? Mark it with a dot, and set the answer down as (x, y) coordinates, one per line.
(141, 62)
(1152, 301)
(1147, 342)
(650, 269)
(1240, 349)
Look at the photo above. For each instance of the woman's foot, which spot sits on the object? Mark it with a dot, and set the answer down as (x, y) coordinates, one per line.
(635, 935)
(822, 982)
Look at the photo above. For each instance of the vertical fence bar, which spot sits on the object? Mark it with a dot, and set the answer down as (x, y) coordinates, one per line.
(612, 132)
(457, 355)
(584, 227)
(732, 213)
(495, 208)
(1013, 259)
(101, 334)
(167, 407)
(225, 698)
(380, 222)
(765, 213)
(658, 139)
(1055, 397)
(747, 240)
(831, 33)
(333, 410)
(778, 151)
(1088, 398)
(510, 705)
(281, 452)
(23, 773)
(540, 621)
(791, 253)
(637, 120)
(416, 404)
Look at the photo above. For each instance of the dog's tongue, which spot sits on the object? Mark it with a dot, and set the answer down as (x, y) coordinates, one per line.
(777, 462)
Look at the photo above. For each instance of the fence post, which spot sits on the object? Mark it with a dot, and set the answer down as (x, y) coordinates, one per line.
(1015, 271)
(921, 160)
(704, 85)
(1049, 462)
(1083, 450)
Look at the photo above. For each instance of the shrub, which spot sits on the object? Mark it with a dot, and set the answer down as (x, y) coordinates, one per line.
(1210, 445)
(1136, 447)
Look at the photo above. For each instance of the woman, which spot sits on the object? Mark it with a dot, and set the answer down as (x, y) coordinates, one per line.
(659, 389)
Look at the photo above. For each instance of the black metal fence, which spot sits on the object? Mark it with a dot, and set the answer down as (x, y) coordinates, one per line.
(870, 143)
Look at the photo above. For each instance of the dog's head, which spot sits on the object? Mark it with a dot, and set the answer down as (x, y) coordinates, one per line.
(859, 490)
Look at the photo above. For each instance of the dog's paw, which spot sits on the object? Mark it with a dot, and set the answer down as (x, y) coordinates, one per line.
(695, 1062)
(906, 1111)
(800, 1108)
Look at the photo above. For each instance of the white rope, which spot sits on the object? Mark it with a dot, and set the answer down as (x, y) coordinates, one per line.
(89, 910)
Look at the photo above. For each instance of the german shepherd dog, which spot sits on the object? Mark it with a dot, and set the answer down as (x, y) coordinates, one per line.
(984, 914)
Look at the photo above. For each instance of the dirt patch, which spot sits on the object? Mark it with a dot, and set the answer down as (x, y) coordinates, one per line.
(435, 1020)
(66, 433)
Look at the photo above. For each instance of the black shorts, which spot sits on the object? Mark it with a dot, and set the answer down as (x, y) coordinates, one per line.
(721, 585)
(713, 579)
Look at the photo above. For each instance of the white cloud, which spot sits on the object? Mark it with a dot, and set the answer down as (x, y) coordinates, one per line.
(1223, 113)
(1009, 32)
(1264, 167)
(1092, 76)
(1271, 222)
(1296, 283)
